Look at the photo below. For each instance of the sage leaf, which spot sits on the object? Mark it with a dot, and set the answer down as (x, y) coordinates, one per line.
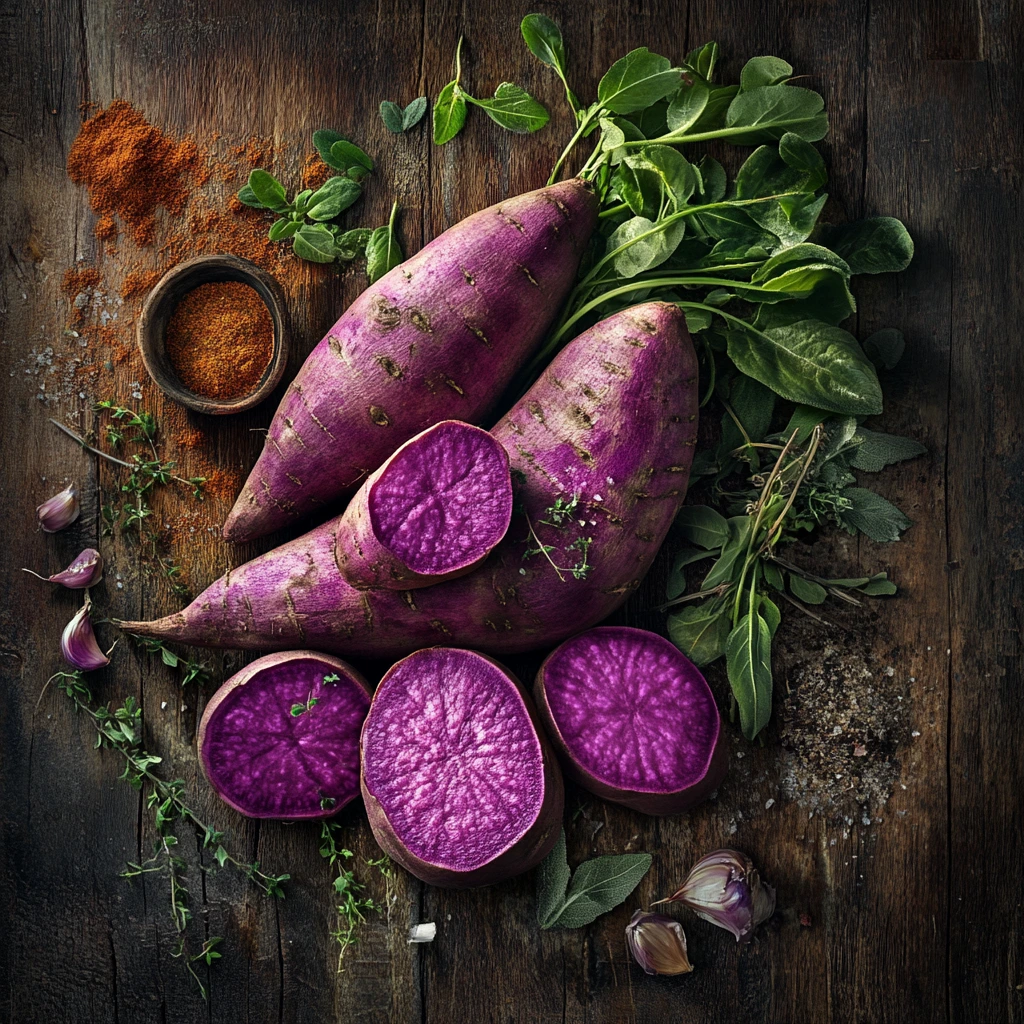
(715, 110)
(748, 653)
(552, 882)
(752, 404)
(600, 885)
(713, 180)
(804, 419)
(700, 631)
(391, 115)
(383, 252)
(771, 614)
(760, 71)
(347, 153)
(877, 245)
(637, 80)
(248, 197)
(703, 526)
(413, 113)
(806, 590)
(268, 190)
(877, 450)
(334, 196)
(885, 348)
(879, 587)
(644, 245)
(352, 243)
(449, 113)
(283, 228)
(314, 242)
(687, 105)
(323, 140)
(812, 363)
(767, 113)
(773, 576)
(514, 109)
(544, 40)
(873, 515)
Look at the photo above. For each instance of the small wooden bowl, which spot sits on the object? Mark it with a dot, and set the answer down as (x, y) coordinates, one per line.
(163, 300)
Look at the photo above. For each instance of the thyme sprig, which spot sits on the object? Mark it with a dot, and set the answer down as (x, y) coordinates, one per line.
(192, 671)
(120, 730)
(352, 905)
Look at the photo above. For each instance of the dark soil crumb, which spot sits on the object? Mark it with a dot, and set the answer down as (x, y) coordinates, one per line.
(842, 715)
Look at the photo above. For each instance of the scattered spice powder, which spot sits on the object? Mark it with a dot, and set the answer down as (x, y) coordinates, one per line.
(131, 168)
(220, 339)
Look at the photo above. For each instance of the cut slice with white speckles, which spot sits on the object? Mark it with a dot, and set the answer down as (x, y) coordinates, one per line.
(460, 786)
(633, 719)
(280, 739)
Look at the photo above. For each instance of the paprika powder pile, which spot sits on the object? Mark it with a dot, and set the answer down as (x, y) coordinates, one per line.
(220, 339)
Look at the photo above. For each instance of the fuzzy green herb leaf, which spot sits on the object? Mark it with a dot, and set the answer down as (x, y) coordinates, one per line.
(391, 115)
(383, 253)
(314, 242)
(748, 654)
(636, 81)
(449, 113)
(597, 886)
(513, 108)
(877, 450)
(877, 245)
(767, 113)
(873, 515)
(268, 190)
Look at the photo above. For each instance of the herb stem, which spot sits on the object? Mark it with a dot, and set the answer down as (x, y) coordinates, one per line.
(577, 135)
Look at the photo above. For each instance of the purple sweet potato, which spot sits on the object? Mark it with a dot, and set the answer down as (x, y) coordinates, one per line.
(280, 739)
(632, 719)
(432, 512)
(600, 449)
(461, 787)
(439, 337)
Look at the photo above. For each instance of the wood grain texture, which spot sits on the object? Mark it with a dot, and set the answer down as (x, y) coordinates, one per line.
(913, 906)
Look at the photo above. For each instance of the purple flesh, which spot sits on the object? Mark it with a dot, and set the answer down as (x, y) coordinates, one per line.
(439, 337)
(455, 773)
(613, 420)
(267, 762)
(633, 718)
(444, 502)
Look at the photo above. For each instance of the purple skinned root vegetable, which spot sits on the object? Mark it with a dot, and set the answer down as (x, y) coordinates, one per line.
(632, 719)
(460, 784)
(439, 337)
(432, 512)
(280, 739)
(608, 429)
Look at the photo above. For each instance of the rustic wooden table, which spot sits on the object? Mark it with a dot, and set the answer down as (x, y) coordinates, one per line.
(899, 894)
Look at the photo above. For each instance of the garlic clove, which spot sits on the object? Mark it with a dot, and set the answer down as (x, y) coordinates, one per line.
(725, 889)
(59, 511)
(78, 643)
(658, 944)
(84, 571)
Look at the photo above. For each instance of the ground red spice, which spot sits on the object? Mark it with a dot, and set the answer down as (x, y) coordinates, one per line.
(139, 282)
(315, 172)
(131, 168)
(220, 339)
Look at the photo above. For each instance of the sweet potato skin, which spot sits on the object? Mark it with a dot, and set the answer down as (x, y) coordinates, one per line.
(439, 337)
(613, 421)
(367, 563)
(534, 845)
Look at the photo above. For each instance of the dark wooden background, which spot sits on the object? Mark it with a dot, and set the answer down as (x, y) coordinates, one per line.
(914, 917)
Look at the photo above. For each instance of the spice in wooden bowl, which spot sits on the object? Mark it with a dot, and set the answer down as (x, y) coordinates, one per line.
(220, 339)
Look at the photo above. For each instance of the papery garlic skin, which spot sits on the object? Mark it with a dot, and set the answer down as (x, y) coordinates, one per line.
(84, 571)
(658, 943)
(59, 511)
(78, 643)
(725, 889)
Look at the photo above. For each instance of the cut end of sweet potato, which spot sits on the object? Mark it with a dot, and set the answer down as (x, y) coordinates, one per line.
(633, 719)
(461, 788)
(280, 739)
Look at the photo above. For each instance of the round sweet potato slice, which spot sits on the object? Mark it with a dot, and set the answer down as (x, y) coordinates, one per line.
(460, 785)
(633, 719)
(280, 739)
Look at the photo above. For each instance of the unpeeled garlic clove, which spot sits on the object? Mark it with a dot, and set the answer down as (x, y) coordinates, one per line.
(78, 643)
(59, 511)
(658, 943)
(83, 572)
(725, 889)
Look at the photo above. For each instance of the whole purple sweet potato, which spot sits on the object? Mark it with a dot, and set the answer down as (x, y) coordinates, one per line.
(432, 512)
(439, 337)
(280, 739)
(461, 787)
(600, 448)
(632, 719)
